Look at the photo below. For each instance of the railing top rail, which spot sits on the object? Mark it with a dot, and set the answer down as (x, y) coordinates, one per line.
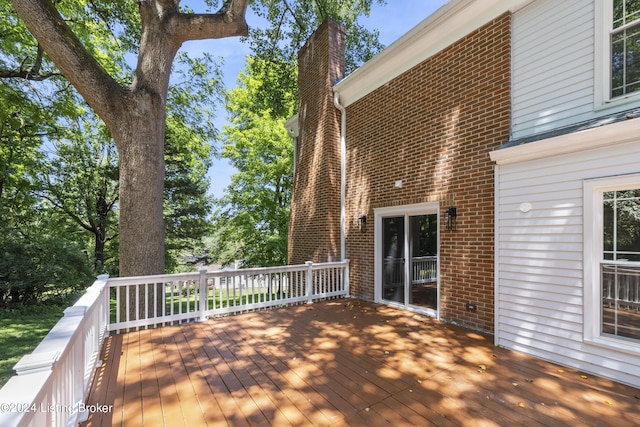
(74, 340)
(333, 264)
(256, 270)
(162, 278)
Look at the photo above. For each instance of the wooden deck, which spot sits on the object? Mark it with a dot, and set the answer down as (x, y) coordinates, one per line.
(339, 363)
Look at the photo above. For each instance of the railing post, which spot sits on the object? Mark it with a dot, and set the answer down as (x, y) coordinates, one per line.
(203, 294)
(309, 280)
(346, 278)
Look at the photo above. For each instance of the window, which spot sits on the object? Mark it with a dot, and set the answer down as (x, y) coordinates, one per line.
(620, 267)
(625, 47)
(617, 51)
(612, 259)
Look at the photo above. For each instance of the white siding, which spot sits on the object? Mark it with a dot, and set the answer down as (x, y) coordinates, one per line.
(539, 271)
(553, 65)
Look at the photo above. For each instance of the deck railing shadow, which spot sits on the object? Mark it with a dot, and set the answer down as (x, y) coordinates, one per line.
(52, 382)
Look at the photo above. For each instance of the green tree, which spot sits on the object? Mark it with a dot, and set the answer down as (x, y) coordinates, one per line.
(81, 182)
(291, 23)
(36, 253)
(252, 220)
(39, 260)
(71, 34)
(254, 212)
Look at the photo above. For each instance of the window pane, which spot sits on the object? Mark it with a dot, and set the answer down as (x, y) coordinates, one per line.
(618, 13)
(617, 64)
(607, 227)
(621, 225)
(621, 301)
(632, 10)
(627, 237)
(620, 281)
(625, 47)
(625, 11)
(626, 194)
(632, 58)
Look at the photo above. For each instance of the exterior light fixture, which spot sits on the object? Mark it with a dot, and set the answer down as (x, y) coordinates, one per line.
(363, 223)
(451, 218)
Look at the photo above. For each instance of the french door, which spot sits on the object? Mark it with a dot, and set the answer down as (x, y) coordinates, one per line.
(407, 258)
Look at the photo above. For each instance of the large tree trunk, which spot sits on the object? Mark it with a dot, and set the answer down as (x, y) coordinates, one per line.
(141, 226)
(135, 115)
(140, 142)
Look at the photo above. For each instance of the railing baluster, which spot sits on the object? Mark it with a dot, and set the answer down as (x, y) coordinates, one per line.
(203, 293)
(117, 304)
(186, 296)
(126, 309)
(146, 300)
(137, 302)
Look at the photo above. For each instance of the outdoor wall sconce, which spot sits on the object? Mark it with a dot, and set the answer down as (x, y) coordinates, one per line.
(363, 223)
(451, 218)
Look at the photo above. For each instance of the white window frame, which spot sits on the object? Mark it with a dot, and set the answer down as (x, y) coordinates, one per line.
(593, 191)
(602, 75)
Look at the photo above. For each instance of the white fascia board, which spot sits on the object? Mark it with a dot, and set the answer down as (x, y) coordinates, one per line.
(292, 126)
(607, 135)
(445, 26)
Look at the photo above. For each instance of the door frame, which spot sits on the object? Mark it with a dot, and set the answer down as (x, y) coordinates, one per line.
(406, 211)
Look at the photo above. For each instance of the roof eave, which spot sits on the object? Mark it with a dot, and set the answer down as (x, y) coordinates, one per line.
(450, 23)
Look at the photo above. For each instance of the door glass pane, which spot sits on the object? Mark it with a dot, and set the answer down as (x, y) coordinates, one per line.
(423, 243)
(393, 259)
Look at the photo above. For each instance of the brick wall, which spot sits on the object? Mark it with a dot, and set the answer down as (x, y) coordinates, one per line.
(433, 127)
(314, 225)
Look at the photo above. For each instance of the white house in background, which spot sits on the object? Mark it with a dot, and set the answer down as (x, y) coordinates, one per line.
(567, 214)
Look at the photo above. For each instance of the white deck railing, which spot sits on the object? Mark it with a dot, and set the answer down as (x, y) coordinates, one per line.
(52, 383)
(160, 300)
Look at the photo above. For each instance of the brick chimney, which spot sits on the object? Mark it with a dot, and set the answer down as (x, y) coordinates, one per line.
(314, 224)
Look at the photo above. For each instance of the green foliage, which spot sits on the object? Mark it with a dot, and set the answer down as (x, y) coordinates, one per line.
(38, 106)
(253, 215)
(34, 263)
(188, 155)
(57, 156)
(252, 218)
(80, 182)
(291, 23)
(58, 168)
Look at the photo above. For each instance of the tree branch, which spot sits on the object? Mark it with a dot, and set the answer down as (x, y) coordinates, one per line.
(26, 75)
(33, 73)
(300, 24)
(66, 51)
(229, 21)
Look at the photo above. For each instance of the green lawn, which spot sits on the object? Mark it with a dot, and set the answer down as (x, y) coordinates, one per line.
(21, 330)
(222, 299)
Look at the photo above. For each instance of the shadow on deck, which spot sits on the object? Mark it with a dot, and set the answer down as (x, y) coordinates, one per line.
(340, 362)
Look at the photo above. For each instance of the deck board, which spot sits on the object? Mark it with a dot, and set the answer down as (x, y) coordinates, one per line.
(341, 363)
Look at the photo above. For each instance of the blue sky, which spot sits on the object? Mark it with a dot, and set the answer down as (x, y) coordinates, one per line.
(392, 21)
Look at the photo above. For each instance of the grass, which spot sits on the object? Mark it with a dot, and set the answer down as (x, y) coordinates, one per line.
(173, 304)
(23, 327)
